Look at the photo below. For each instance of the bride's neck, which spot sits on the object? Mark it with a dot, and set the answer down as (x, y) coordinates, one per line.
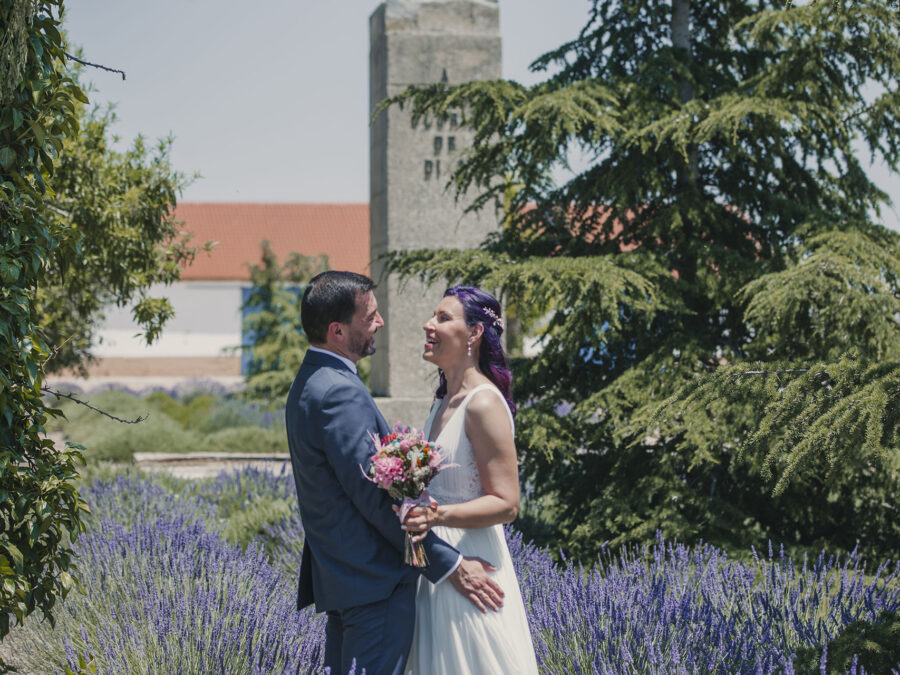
(462, 379)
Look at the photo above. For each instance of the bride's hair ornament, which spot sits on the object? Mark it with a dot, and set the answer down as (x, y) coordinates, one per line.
(496, 320)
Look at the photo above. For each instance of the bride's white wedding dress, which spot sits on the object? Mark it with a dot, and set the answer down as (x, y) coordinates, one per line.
(452, 636)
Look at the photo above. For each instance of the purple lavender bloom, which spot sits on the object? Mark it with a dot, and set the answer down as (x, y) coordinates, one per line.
(174, 596)
(669, 609)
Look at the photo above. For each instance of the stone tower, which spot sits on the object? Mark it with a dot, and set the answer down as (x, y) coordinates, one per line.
(419, 42)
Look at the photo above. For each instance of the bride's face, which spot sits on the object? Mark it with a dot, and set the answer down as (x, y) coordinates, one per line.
(446, 333)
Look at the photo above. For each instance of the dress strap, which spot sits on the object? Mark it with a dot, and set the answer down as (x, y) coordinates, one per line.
(493, 387)
(483, 385)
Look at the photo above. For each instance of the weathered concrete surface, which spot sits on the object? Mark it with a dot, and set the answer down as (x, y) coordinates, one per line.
(419, 42)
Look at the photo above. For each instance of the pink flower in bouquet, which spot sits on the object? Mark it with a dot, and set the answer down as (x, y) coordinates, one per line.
(387, 469)
(434, 460)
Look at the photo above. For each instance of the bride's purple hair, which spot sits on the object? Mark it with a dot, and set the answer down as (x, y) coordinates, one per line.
(482, 307)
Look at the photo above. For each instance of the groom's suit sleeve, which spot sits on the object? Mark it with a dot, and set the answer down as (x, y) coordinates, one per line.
(348, 416)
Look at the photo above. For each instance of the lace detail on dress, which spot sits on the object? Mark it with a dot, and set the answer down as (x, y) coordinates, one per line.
(461, 483)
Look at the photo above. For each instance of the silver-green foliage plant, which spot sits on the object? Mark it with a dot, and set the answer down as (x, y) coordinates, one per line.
(718, 306)
(195, 422)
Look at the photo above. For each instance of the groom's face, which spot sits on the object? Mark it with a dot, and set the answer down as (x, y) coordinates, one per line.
(366, 320)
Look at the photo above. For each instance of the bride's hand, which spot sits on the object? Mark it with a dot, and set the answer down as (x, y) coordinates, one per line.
(419, 521)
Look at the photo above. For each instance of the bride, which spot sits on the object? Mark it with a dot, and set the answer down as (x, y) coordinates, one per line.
(472, 421)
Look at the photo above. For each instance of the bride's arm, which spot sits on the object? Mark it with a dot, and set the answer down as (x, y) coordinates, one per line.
(490, 432)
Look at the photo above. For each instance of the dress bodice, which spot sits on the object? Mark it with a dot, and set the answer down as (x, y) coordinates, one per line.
(463, 482)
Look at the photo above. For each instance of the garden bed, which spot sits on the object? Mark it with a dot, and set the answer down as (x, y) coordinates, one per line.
(201, 577)
(174, 421)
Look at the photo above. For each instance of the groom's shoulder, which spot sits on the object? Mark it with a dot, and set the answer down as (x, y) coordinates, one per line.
(322, 380)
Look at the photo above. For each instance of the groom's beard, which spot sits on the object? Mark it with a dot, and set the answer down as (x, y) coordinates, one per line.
(363, 346)
(369, 347)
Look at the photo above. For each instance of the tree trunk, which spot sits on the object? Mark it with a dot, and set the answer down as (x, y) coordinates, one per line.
(681, 25)
(681, 40)
(686, 175)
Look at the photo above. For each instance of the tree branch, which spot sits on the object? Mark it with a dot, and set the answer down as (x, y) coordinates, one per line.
(55, 351)
(59, 394)
(94, 65)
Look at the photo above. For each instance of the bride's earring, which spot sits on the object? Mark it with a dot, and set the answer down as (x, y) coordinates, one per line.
(469, 349)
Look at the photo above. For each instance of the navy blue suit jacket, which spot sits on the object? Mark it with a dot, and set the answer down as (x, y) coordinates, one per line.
(353, 548)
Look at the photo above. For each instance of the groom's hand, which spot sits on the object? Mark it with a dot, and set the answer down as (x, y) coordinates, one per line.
(472, 581)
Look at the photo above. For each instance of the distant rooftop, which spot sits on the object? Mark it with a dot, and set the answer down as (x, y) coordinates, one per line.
(340, 231)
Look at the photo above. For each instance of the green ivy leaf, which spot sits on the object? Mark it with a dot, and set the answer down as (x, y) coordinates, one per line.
(7, 158)
(9, 271)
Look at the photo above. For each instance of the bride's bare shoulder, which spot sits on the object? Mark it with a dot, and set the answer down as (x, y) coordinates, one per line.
(484, 404)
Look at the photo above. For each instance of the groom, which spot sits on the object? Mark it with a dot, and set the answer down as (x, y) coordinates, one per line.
(352, 565)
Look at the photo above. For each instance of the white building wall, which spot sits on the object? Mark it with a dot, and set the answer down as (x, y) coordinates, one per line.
(207, 322)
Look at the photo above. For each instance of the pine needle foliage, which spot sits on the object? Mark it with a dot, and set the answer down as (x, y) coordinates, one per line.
(844, 291)
(864, 646)
(277, 343)
(718, 306)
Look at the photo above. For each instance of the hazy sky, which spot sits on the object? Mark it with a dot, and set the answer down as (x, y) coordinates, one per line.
(268, 101)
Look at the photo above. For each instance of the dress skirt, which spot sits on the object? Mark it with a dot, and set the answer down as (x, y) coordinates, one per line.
(452, 637)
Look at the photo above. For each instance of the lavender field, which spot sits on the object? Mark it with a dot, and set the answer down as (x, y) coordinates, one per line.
(185, 577)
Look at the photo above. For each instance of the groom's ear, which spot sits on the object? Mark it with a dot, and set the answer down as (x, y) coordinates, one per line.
(337, 331)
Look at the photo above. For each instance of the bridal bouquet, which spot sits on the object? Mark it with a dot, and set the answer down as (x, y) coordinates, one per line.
(403, 464)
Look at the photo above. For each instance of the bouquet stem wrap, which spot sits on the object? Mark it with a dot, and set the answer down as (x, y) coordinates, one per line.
(414, 553)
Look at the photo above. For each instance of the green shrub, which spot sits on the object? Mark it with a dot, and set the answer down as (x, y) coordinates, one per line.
(197, 422)
(190, 412)
(876, 645)
(80, 421)
(158, 433)
(245, 525)
(246, 439)
(231, 412)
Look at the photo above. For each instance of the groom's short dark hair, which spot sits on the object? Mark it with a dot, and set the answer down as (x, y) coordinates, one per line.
(331, 296)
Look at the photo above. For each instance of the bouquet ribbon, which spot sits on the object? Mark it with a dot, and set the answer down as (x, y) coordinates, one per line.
(414, 554)
(424, 500)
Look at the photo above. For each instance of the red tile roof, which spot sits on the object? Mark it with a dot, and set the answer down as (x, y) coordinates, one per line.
(341, 231)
